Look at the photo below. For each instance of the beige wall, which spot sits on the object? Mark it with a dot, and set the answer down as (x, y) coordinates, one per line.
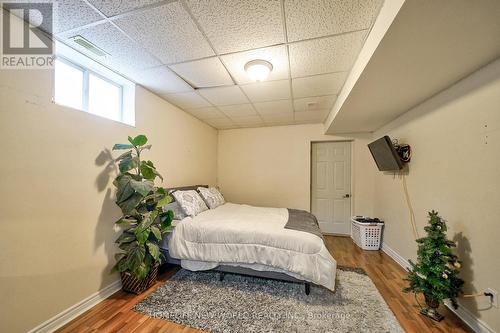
(56, 236)
(270, 166)
(455, 170)
(57, 209)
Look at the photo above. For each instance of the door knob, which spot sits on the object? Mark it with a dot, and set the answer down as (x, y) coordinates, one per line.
(347, 196)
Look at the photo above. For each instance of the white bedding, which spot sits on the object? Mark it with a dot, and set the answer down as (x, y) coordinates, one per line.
(253, 237)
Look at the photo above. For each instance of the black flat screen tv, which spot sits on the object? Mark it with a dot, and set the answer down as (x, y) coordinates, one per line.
(384, 154)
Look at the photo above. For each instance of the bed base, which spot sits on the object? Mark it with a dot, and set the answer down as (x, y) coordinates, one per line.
(223, 269)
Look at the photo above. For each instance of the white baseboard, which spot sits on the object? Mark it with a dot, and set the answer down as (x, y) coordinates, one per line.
(476, 324)
(394, 255)
(74, 311)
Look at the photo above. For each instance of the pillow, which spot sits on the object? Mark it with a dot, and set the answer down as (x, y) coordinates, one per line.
(191, 202)
(212, 196)
(177, 209)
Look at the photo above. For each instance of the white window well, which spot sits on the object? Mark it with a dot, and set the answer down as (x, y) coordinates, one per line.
(83, 84)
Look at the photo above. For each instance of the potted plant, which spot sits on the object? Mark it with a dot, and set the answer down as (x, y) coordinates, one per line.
(143, 220)
(436, 272)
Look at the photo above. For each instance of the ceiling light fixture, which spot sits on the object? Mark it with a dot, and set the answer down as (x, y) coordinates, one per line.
(258, 70)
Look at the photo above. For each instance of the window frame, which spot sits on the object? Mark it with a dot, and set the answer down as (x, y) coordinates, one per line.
(86, 90)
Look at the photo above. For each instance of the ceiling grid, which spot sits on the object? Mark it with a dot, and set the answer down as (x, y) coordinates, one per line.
(191, 52)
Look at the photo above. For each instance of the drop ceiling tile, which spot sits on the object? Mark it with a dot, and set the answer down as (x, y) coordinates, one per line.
(67, 15)
(224, 95)
(280, 123)
(318, 85)
(316, 18)
(238, 110)
(73, 14)
(267, 90)
(123, 54)
(187, 100)
(317, 116)
(112, 8)
(307, 121)
(248, 120)
(253, 125)
(314, 103)
(274, 118)
(227, 127)
(220, 123)
(167, 32)
(203, 73)
(325, 55)
(209, 112)
(161, 80)
(274, 107)
(276, 55)
(234, 25)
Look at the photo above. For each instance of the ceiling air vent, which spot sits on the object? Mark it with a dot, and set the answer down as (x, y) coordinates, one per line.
(89, 46)
(312, 106)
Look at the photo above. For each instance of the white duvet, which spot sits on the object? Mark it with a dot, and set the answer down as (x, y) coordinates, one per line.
(254, 237)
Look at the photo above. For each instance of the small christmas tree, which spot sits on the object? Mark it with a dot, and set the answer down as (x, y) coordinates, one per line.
(436, 272)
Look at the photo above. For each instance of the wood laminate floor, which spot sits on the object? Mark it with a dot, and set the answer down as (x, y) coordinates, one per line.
(115, 314)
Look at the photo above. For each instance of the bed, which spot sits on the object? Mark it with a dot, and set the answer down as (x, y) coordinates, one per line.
(258, 241)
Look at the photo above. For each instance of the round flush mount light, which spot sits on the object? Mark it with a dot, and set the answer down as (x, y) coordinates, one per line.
(258, 70)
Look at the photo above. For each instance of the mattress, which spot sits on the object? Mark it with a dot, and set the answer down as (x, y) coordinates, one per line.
(254, 237)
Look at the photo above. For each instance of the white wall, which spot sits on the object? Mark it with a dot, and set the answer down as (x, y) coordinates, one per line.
(57, 209)
(455, 137)
(270, 166)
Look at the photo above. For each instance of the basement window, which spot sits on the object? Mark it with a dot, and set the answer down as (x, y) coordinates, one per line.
(83, 84)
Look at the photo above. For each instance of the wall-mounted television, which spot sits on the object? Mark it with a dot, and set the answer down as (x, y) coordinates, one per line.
(384, 154)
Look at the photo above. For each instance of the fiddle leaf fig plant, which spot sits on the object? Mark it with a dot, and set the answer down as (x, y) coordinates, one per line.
(141, 202)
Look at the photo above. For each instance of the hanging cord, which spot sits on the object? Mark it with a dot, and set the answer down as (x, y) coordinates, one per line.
(404, 151)
(410, 208)
(415, 234)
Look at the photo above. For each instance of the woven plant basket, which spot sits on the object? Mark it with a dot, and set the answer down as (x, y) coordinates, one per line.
(132, 284)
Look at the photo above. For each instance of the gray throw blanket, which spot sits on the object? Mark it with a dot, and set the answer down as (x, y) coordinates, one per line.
(303, 221)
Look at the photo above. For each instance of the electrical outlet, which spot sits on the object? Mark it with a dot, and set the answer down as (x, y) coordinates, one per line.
(494, 299)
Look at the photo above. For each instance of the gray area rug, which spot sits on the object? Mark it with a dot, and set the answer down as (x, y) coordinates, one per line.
(248, 304)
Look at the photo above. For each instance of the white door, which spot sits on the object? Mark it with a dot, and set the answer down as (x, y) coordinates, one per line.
(331, 186)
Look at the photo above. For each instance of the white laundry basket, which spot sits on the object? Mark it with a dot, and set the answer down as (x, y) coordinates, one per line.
(366, 235)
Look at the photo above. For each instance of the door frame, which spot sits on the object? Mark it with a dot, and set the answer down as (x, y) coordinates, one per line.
(351, 146)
